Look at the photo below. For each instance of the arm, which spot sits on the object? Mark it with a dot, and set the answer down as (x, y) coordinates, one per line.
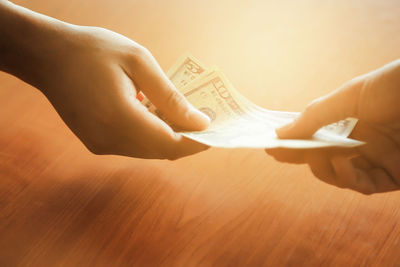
(92, 76)
(22, 33)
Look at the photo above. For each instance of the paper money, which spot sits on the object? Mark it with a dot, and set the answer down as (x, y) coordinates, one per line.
(235, 120)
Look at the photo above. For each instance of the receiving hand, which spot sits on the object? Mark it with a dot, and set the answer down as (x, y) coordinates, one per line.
(374, 99)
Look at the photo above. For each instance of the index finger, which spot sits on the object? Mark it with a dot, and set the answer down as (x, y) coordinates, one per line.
(340, 104)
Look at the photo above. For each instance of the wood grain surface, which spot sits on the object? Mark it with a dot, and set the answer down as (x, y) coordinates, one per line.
(62, 206)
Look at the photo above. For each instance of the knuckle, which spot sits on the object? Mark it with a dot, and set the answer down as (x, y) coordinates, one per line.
(139, 54)
(141, 51)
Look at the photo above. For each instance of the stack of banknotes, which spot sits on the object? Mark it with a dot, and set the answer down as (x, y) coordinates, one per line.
(235, 120)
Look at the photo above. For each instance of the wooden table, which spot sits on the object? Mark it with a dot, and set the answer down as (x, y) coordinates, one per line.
(62, 206)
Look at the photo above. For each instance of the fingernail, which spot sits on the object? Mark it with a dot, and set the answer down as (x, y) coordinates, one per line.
(140, 96)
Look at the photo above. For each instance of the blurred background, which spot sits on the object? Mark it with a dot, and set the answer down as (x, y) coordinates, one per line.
(273, 51)
(60, 205)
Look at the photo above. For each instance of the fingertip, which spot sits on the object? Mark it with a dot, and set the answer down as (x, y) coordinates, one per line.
(285, 132)
(198, 120)
(302, 127)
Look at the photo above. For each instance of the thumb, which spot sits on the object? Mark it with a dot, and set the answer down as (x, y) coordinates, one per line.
(150, 78)
(340, 104)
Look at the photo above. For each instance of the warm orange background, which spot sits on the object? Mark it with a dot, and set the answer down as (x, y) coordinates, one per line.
(60, 205)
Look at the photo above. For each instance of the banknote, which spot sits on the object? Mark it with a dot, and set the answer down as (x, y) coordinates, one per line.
(236, 121)
(185, 70)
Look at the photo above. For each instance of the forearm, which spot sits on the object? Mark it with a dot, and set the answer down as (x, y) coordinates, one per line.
(27, 42)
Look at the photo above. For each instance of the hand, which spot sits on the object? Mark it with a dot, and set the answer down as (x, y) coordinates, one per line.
(92, 76)
(372, 98)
